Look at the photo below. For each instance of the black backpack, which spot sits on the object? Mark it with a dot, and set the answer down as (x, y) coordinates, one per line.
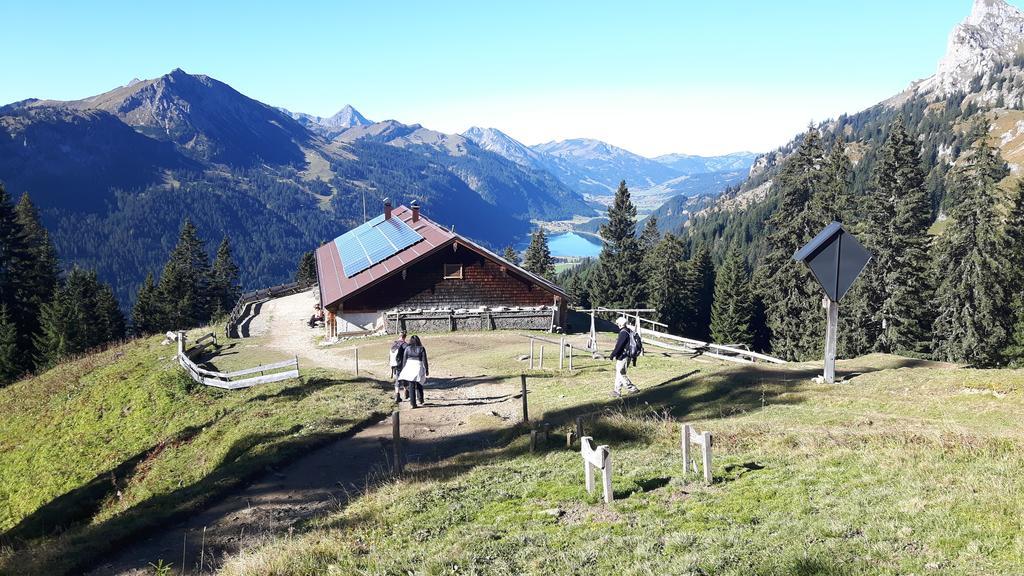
(635, 347)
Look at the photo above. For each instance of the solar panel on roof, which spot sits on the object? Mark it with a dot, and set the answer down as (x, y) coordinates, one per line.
(372, 242)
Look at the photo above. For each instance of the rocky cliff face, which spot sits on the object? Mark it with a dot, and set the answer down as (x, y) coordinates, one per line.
(993, 33)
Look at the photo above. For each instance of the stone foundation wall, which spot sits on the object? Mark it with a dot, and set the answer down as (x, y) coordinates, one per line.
(470, 321)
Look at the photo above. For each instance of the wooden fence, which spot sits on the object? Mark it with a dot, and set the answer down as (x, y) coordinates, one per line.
(232, 380)
(249, 299)
(691, 346)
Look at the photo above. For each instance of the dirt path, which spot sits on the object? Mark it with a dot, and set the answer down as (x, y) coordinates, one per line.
(323, 480)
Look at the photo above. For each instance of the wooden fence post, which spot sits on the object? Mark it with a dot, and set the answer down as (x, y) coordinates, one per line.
(706, 450)
(579, 427)
(531, 353)
(541, 365)
(533, 440)
(526, 409)
(396, 440)
(704, 440)
(685, 441)
(561, 353)
(570, 357)
(357, 361)
(601, 458)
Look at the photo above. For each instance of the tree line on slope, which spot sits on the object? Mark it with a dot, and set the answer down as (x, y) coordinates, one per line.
(949, 298)
(46, 316)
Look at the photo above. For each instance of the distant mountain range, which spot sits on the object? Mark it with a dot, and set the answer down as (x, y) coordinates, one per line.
(116, 174)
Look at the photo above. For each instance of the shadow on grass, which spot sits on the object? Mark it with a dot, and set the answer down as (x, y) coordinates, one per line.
(641, 486)
(79, 545)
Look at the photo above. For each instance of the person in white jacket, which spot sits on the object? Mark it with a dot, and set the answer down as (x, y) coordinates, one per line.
(414, 371)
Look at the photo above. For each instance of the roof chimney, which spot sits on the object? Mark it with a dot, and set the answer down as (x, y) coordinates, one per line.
(415, 211)
(387, 208)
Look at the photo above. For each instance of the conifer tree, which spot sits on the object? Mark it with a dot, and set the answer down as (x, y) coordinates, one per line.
(306, 271)
(511, 255)
(672, 285)
(791, 297)
(617, 281)
(40, 275)
(224, 280)
(10, 362)
(973, 322)
(732, 311)
(82, 315)
(538, 256)
(1014, 234)
(184, 286)
(147, 318)
(704, 272)
(15, 276)
(650, 236)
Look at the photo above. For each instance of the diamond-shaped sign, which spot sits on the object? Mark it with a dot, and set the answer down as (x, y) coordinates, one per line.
(835, 258)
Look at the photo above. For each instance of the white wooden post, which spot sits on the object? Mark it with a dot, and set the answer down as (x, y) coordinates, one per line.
(541, 365)
(687, 437)
(531, 353)
(561, 353)
(600, 458)
(831, 334)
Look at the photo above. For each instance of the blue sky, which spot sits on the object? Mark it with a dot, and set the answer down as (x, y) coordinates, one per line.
(696, 77)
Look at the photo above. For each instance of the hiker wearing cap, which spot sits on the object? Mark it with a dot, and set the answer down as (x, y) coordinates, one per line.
(627, 348)
(395, 357)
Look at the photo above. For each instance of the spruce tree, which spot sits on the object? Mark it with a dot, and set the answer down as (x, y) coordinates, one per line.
(40, 275)
(732, 311)
(511, 256)
(82, 315)
(184, 286)
(973, 324)
(650, 236)
(16, 278)
(10, 361)
(224, 280)
(538, 256)
(672, 286)
(791, 297)
(704, 272)
(305, 273)
(147, 318)
(617, 279)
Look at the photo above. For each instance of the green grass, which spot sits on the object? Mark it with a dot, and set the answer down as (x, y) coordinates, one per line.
(909, 467)
(99, 448)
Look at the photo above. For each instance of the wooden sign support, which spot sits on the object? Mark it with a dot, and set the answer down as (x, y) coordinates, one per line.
(831, 336)
(600, 458)
(703, 439)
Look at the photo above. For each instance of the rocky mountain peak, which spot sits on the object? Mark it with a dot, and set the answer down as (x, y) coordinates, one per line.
(993, 32)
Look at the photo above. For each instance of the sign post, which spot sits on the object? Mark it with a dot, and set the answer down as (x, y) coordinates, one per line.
(836, 259)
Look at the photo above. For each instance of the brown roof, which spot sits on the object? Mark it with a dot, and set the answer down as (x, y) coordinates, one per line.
(336, 287)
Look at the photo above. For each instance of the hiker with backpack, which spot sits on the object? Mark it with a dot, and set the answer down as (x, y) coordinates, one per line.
(628, 347)
(414, 371)
(395, 357)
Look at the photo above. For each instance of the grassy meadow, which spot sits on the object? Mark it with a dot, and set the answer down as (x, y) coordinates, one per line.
(908, 467)
(95, 450)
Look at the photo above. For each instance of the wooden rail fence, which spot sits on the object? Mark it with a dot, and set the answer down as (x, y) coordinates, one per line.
(229, 380)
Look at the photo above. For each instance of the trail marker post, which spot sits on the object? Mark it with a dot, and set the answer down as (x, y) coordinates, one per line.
(836, 259)
(703, 439)
(396, 440)
(526, 408)
(601, 459)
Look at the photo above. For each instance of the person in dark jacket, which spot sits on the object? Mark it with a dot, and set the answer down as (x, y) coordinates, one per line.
(621, 355)
(395, 356)
(415, 370)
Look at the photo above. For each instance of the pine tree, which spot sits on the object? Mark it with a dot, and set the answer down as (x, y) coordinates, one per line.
(15, 278)
(82, 315)
(39, 278)
(538, 256)
(732, 311)
(147, 318)
(704, 272)
(672, 286)
(791, 297)
(224, 280)
(650, 236)
(306, 272)
(10, 362)
(184, 286)
(973, 322)
(510, 255)
(617, 280)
